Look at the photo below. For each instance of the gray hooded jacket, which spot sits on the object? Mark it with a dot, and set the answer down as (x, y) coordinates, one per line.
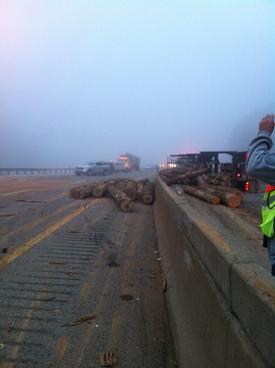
(261, 158)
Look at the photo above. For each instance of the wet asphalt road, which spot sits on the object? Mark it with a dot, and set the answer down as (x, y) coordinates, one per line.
(78, 278)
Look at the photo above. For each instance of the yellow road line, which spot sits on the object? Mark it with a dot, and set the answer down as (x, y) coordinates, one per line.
(23, 248)
(12, 193)
(21, 336)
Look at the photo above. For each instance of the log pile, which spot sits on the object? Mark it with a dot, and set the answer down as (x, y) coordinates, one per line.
(123, 191)
(197, 182)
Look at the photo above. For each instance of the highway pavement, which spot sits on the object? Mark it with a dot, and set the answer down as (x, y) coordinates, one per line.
(80, 281)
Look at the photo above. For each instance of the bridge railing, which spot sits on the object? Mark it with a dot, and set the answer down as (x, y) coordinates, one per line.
(36, 171)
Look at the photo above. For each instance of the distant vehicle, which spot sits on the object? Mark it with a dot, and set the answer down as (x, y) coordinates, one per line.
(150, 167)
(94, 168)
(132, 162)
(119, 166)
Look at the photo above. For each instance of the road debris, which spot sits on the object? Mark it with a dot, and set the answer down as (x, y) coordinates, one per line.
(11, 326)
(81, 320)
(123, 191)
(126, 297)
(108, 359)
(30, 200)
(164, 284)
(7, 215)
(49, 299)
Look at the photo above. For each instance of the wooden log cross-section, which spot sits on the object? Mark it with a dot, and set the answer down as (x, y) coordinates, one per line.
(148, 193)
(122, 200)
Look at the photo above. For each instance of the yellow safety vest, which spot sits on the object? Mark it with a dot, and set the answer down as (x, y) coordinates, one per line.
(268, 212)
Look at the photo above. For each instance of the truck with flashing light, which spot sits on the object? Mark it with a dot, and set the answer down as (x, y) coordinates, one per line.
(131, 161)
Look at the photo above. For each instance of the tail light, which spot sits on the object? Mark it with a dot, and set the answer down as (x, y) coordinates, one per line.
(238, 175)
(246, 186)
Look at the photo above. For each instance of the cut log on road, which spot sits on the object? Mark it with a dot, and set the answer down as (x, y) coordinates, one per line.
(122, 200)
(81, 192)
(140, 186)
(179, 179)
(148, 193)
(129, 187)
(201, 194)
(100, 189)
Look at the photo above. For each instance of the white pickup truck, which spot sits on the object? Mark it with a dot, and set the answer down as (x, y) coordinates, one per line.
(94, 168)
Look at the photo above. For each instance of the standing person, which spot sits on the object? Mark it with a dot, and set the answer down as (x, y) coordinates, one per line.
(261, 165)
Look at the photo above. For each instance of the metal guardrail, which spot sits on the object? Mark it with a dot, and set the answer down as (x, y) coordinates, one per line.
(36, 171)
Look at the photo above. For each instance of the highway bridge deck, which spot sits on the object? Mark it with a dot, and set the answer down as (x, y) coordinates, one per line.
(78, 278)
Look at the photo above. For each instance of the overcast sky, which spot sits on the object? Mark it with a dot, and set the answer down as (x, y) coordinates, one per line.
(83, 80)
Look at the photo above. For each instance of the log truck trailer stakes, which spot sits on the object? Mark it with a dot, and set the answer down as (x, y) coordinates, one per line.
(236, 168)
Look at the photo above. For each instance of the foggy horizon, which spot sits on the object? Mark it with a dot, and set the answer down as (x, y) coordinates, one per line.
(85, 81)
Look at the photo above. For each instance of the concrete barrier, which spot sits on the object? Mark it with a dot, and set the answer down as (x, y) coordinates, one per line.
(222, 304)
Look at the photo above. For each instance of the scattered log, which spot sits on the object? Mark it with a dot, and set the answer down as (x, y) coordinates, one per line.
(81, 192)
(172, 172)
(228, 190)
(201, 182)
(229, 199)
(218, 182)
(179, 179)
(201, 194)
(122, 200)
(129, 187)
(100, 189)
(140, 186)
(148, 193)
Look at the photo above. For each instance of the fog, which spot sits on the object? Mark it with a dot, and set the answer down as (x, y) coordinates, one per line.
(86, 80)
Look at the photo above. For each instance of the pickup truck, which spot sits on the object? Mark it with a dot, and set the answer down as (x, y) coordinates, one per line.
(94, 168)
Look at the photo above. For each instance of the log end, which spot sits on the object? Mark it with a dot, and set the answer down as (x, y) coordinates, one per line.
(127, 205)
(215, 200)
(98, 192)
(148, 199)
(75, 193)
(234, 201)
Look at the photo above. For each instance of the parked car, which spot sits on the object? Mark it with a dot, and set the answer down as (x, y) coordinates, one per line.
(94, 168)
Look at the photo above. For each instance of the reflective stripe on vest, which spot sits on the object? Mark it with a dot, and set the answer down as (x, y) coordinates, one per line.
(268, 212)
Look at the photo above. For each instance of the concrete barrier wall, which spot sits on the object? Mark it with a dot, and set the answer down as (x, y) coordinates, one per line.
(222, 305)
